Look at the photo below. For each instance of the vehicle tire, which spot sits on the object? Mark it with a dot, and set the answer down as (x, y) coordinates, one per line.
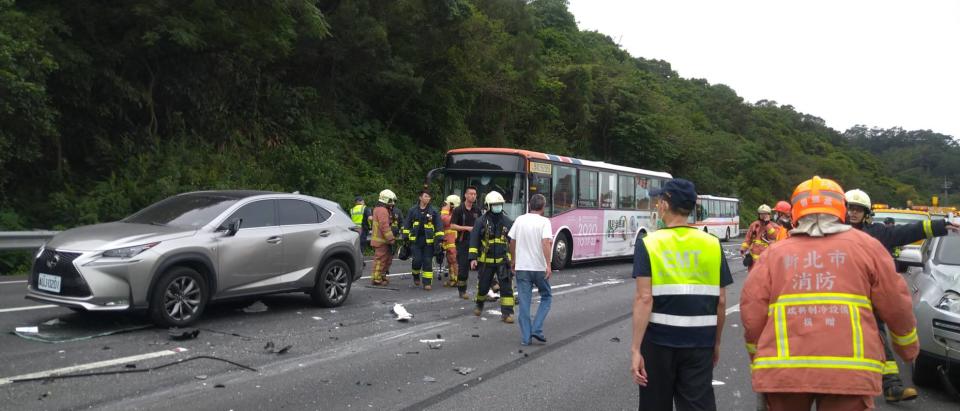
(333, 284)
(562, 251)
(77, 309)
(924, 371)
(726, 237)
(179, 298)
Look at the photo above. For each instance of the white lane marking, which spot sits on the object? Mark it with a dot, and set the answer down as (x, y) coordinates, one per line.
(716, 383)
(734, 309)
(13, 282)
(91, 366)
(388, 275)
(32, 307)
(554, 287)
(589, 286)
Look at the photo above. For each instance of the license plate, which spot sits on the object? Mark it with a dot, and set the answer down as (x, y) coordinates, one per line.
(48, 282)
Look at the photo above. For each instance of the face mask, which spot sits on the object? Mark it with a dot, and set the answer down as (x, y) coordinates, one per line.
(496, 208)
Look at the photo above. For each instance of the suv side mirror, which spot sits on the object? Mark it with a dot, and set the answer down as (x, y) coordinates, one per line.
(232, 227)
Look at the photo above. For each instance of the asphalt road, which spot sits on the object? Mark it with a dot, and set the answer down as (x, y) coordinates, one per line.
(358, 356)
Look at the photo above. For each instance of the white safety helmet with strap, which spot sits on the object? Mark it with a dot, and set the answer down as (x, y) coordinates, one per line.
(388, 197)
(764, 209)
(493, 197)
(858, 197)
(453, 200)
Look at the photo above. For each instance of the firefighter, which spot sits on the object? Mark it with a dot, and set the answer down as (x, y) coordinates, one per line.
(489, 254)
(463, 219)
(382, 237)
(892, 238)
(781, 215)
(760, 235)
(450, 238)
(810, 309)
(422, 233)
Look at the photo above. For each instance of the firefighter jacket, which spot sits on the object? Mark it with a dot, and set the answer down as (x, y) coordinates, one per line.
(810, 308)
(380, 233)
(421, 227)
(449, 234)
(488, 240)
(759, 236)
(901, 235)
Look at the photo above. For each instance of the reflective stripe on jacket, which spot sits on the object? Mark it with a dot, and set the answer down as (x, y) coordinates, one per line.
(759, 237)
(488, 240)
(809, 310)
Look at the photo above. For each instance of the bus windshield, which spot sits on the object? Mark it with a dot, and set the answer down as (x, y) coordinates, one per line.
(510, 185)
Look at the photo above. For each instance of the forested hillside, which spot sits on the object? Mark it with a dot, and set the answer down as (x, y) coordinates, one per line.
(107, 106)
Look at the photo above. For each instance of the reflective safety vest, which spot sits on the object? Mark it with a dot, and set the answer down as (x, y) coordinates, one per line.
(356, 214)
(685, 278)
(488, 240)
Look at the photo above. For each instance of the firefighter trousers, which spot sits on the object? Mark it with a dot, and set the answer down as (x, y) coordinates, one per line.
(422, 262)
(891, 372)
(382, 258)
(486, 274)
(452, 265)
(463, 266)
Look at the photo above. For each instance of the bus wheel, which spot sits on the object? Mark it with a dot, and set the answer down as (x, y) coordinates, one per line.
(562, 250)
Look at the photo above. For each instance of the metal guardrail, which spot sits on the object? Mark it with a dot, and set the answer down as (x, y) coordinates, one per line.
(24, 240)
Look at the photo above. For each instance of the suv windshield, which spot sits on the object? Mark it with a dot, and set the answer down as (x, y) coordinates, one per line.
(189, 210)
(949, 250)
(900, 218)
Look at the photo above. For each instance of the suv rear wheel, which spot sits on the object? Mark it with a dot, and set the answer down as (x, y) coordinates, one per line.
(179, 297)
(333, 284)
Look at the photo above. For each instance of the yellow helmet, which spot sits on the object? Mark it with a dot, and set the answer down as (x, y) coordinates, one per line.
(388, 197)
(764, 209)
(858, 197)
(493, 197)
(453, 200)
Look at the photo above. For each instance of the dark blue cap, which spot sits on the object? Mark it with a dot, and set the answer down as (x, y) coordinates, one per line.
(358, 198)
(680, 193)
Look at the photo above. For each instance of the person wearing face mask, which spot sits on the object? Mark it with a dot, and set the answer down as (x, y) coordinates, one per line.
(490, 256)
(761, 234)
(782, 216)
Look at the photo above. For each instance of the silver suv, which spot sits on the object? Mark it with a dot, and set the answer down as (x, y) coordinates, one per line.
(174, 257)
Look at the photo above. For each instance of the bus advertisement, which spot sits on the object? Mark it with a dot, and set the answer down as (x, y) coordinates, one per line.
(719, 216)
(596, 209)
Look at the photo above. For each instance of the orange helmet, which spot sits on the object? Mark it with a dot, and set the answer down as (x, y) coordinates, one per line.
(818, 196)
(782, 207)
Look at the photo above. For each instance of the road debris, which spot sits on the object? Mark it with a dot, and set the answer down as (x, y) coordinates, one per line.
(380, 287)
(219, 386)
(270, 348)
(256, 307)
(429, 379)
(201, 377)
(475, 335)
(494, 312)
(44, 395)
(464, 370)
(434, 344)
(55, 321)
(615, 339)
(27, 330)
(180, 334)
(317, 318)
(402, 314)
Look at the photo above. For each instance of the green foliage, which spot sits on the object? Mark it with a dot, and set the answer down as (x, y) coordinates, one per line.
(106, 107)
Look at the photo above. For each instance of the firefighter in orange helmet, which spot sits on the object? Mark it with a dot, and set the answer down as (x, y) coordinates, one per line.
(382, 237)
(783, 217)
(450, 238)
(760, 235)
(810, 308)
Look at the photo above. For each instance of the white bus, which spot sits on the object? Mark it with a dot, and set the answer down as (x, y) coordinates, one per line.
(719, 216)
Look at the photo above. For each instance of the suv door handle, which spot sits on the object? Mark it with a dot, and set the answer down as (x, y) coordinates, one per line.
(325, 233)
(274, 240)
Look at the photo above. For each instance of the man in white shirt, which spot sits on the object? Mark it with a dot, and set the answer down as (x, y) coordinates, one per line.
(531, 245)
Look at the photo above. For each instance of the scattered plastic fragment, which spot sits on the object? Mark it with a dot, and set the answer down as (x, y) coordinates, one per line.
(179, 334)
(434, 344)
(402, 314)
(464, 370)
(429, 379)
(28, 330)
(256, 307)
(615, 339)
(201, 377)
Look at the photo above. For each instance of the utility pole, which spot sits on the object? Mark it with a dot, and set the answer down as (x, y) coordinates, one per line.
(946, 186)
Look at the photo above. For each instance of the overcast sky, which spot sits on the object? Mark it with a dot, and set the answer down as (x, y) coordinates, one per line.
(880, 63)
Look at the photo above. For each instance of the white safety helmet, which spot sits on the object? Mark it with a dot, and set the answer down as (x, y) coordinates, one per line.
(388, 197)
(453, 200)
(858, 197)
(764, 209)
(493, 198)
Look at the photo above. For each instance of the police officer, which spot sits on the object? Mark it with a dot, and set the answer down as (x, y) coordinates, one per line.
(423, 232)
(678, 310)
(359, 215)
(490, 255)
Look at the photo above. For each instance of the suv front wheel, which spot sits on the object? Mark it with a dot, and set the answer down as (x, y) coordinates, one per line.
(179, 297)
(333, 284)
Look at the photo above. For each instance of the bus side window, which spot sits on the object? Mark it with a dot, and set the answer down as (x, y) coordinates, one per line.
(627, 196)
(564, 188)
(541, 184)
(588, 192)
(643, 196)
(608, 190)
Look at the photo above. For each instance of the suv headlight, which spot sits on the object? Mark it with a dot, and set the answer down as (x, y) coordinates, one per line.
(128, 252)
(950, 302)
